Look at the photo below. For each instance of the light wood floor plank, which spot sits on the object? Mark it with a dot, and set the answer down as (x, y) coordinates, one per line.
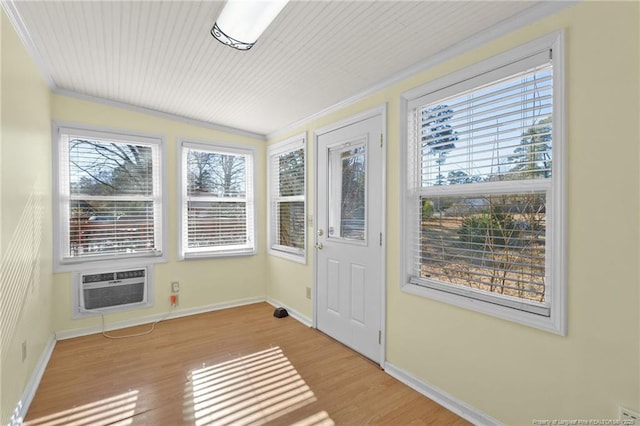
(235, 366)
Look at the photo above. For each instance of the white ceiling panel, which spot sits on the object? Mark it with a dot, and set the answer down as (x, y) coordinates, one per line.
(159, 55)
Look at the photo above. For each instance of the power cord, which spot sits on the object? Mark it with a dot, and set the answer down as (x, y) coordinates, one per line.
(127, 336)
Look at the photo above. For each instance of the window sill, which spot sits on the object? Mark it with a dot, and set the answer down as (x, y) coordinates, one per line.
(551, 324)
(216, 254)
(93, 264)
(298, 258)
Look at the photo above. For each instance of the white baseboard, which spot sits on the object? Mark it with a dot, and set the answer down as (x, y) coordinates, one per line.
(449, 402)
(292, 312)
(32, 385)
(69, 334)
(453, 404)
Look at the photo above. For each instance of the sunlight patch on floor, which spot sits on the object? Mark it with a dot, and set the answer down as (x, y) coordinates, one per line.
(319, 419)
(252, 389)
(117, 409)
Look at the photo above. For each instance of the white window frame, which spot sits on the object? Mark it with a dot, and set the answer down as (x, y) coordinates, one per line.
(61, 198)
(455, 83)
(249, 249)
(273, 152)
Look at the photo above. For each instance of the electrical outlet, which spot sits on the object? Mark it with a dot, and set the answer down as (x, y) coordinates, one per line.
(175, 287)
(628, 417)
(174, 300)
(24, 350)
(308, 292)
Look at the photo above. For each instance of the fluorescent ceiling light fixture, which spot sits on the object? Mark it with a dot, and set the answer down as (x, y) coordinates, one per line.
(243, 21)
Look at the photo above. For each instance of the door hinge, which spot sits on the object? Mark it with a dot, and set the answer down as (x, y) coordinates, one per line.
(379, 337)
(380, 140)
(381, 239)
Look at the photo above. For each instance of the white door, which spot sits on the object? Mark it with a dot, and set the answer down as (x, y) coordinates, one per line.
(349, 225)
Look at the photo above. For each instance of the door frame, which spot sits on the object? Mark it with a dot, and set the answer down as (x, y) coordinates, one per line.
(381, 112)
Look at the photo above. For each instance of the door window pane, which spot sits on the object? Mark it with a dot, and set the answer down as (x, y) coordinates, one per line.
(348, 193)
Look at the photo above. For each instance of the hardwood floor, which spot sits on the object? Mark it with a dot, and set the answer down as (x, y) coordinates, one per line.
(234, 366)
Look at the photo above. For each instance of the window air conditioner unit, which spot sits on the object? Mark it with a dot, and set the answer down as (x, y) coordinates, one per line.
(109, 291)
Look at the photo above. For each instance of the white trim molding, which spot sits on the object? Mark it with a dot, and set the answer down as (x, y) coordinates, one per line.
(528, 16)
(352, 119)
(70, 334)
(439, 396)
(24, 35)
(381, 111)
(286, 146)
(251, 173)
(159, 114)
(23, 405)
(11, 10)
(550, 48)
(292, 312)
(62, 263)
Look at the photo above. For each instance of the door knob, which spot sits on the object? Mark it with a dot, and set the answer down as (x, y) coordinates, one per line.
(319, 246)
(320, 232)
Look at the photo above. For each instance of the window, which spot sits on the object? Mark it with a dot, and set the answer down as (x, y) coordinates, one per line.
(108, 188)
(348, 191)
(484, 194)
(217, 201)
(287, 224)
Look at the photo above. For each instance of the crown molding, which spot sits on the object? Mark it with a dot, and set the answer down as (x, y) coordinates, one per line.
(16, 20)
(515, 22)
(11, 10)
(526, 17)
(161, 114)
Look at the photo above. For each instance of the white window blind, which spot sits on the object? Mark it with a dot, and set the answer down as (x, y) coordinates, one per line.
(287, 190)
(482, 184)
(110, 194)
(217, 201)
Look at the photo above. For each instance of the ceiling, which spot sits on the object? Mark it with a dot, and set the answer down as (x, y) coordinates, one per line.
(159, 55)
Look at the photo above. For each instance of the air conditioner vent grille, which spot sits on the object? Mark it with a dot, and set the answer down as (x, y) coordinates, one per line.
(111, 291)
(103, 297)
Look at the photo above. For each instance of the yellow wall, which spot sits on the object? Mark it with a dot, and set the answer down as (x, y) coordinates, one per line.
(508, 371)
(25, 209)
(288, 281)
(203, 283)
